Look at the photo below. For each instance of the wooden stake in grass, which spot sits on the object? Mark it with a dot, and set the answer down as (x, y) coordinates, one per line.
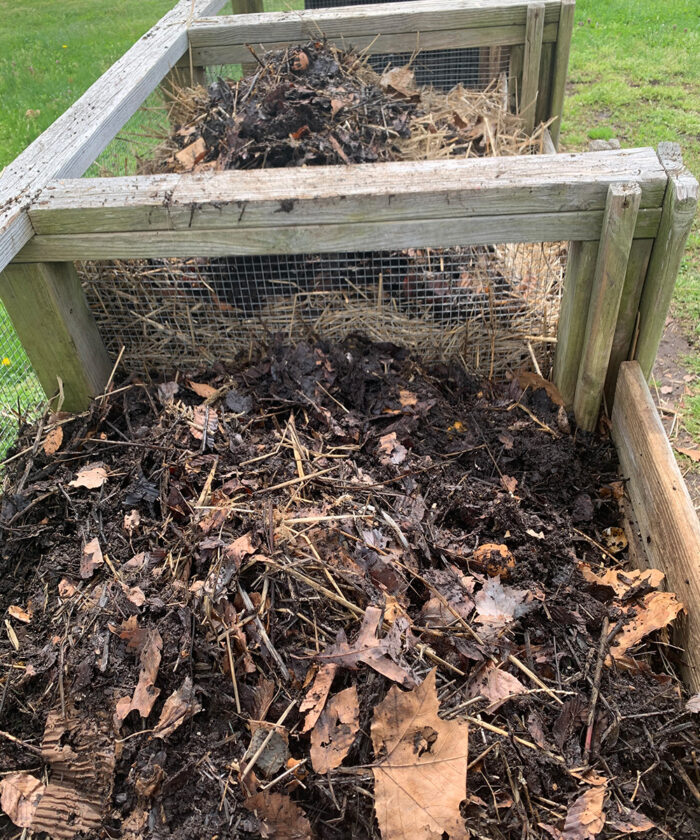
(611, 268)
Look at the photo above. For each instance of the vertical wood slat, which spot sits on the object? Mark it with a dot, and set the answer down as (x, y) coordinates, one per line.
(623, 339)
(573, 314)
(664, 511)
(611, 269)
(679, 207)
(544, 84)
(532, 57)
(47, 306)
(515, 77)
(561, 66)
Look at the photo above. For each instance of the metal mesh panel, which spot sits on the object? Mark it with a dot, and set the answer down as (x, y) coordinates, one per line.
(21, 397)
(480, 305)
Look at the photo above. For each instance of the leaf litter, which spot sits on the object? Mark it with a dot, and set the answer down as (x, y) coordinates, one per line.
(295, 637)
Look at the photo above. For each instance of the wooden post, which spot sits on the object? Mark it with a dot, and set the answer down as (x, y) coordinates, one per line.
(50, 314)
(534, 31)
(544, 84)
(573, 313)
(664, 511)
(561, 66)
(680, 204)
(515, 77)
(611, 268)
(627, 317)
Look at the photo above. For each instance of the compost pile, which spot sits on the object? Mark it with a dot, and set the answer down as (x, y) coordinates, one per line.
(330, 593)
(315, 104)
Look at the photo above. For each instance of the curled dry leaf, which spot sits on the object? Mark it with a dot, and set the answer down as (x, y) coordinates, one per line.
(66, 589)
(420, 771)
(19, 796)
(90, 476)
(390, 450)
(134, 594)
(379, 654)
(202, 390)
(25, 616)
(92, 558)
(656, 610)
(401, 81)
(53, 441)
(534, 381)
(179, 707)
(335, 731)
(623, 581)
(239, 549)
(149, 643)
(280, 818)
(495, 685)
(585, 817)
(316, 696)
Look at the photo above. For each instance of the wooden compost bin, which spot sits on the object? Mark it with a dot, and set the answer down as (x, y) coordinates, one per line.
(626, 214)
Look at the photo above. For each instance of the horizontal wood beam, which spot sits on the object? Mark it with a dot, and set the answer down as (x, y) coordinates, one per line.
(361, 236)
(71, 144)
(664, 511)
(382, 192)
(426, 24)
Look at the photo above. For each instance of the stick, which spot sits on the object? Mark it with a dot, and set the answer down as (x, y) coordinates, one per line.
(602, 647)
(249, 766)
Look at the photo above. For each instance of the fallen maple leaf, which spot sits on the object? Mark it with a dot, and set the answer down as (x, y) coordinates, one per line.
(91, 559)
(280, 818)
(179, 707)
(316, 696)
(379, 654)
(19, 796)
(495, 685)
(623, 581)
(497, 605)
(420, 771)
(91, 477)
(53, 440)
(335, 731)
(391, 451)
(656, 610)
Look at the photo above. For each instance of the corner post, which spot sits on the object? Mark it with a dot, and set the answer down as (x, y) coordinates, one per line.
(534, 30)
(616, 237)
(47, 306)
(678, 212)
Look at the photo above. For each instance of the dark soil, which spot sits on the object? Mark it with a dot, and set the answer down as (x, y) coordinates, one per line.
(331, 479)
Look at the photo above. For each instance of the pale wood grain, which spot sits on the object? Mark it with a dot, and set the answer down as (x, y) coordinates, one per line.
(532, 57)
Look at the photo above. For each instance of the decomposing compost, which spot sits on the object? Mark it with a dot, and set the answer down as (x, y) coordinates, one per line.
(331, 592)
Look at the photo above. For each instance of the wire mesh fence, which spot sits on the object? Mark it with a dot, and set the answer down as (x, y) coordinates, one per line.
(481, 306)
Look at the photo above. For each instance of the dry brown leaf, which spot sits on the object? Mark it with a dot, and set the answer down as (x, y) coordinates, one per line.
(25, 616)
(179, 707)
(630, 822)
(204, 414)
(528, 379)
(335, 731)
(66, 589)
(693, 705)
(91, 559)
(191, 154)
(280, 818)
(134, 594)
(400, 80)
(337, 105)
(19, 796)
(497, 605)
(53, 441)
(379, 654)
(495, 685)
(693, 454)
(91, 476)
(316, 696)
(585, 817)
(623, 581)
(509, 483)
(420, 771)
(390, 450)
(407, 399)
(132, 520)
(241, 548)
(656, 610)
(149, 644)
(202, 390)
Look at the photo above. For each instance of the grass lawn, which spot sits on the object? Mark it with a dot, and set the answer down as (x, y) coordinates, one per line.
(634, 74)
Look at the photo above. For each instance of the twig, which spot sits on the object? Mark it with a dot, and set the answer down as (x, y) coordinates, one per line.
(286, 773)
(233, 671)
(24, 744)
(249, 766)
(263, 633)
(602, 647)
(534, 678)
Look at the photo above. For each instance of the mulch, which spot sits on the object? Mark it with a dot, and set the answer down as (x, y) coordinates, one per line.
(220, 591)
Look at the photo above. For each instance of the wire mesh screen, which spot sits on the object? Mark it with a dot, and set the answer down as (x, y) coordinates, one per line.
(21, 397)
(478, 305)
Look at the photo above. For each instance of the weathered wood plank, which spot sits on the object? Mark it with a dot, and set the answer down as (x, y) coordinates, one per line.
(334, 194)
(680, 205)
(628, 314)
(532, 58)
(573, 314)
(50, 314)
(561, 66)
(299, 239)
(611, 268)
(76, 138)
(663, 508)
(439, 23)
